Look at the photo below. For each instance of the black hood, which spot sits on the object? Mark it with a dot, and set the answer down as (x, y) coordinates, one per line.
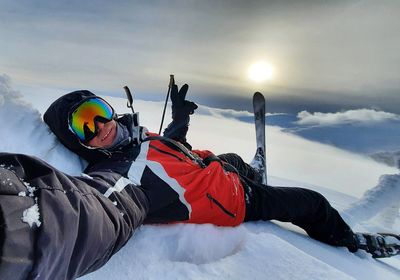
(56, 117)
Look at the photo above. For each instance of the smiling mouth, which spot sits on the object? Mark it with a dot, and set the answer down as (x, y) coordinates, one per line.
(105, 136)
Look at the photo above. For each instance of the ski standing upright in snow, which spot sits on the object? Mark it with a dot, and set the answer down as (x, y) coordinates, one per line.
(259, 160)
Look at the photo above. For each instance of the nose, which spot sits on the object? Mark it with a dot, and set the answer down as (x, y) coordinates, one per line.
(100, 125)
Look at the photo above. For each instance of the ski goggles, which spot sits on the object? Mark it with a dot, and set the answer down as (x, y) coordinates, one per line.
(82, 119)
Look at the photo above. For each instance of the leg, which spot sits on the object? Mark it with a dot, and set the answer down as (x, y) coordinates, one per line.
(244, 169)
(302, 207)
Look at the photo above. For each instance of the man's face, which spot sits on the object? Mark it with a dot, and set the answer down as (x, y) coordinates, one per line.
(106, 133)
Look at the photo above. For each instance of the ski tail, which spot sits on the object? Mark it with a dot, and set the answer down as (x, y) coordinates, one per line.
(258, 163)
(259, 160)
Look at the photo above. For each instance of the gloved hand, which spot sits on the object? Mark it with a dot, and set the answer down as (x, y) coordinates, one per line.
(181, 110)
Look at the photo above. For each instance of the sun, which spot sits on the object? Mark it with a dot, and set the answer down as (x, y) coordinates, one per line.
(261, 71)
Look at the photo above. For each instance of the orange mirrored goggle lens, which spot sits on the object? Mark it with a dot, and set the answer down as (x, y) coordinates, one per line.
(82, 119)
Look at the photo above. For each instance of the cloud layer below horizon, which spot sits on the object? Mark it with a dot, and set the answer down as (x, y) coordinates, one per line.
(359, 116)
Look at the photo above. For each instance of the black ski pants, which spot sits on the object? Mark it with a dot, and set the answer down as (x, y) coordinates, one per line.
(305, 208)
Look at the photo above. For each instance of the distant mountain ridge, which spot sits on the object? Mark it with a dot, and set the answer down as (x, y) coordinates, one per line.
(362, 138)
(388, 158)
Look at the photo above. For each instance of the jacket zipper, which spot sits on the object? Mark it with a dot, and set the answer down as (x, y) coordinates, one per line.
(165, 152)
(216, 202)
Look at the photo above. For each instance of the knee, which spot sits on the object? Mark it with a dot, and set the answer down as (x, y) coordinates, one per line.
(231, 158)
(322, 204)
(228, 155)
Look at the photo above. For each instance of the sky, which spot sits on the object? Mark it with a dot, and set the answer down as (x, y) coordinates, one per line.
(326, 56)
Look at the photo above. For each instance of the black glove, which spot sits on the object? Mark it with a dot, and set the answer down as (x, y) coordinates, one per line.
(181, 109)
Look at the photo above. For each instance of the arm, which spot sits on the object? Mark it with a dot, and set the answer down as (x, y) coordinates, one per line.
(59, 226)
(181, 111)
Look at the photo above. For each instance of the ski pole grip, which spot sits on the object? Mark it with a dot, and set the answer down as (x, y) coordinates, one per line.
(128, 95)
(130, 98)
(171, 81)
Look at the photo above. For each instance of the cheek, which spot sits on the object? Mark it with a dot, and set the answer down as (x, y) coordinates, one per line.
(95, 142)
(112, 126)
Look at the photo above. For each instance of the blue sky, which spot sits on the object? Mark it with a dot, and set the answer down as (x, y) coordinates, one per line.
(327, 55)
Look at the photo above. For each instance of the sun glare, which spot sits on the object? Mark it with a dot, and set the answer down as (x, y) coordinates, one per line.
(261, 71)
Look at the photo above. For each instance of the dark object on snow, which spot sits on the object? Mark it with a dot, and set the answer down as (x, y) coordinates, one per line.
(379, 245)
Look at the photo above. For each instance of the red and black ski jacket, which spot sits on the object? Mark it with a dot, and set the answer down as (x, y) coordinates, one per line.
(180, 187)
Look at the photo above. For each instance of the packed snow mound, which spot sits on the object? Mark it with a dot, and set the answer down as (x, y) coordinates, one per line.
(260, 250)
(209, 252)
(383, 200)
(23, 131)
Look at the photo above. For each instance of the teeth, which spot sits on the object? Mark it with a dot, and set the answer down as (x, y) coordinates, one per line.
(105, 136)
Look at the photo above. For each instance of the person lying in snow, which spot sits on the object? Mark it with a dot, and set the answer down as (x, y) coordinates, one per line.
(181, 184)
(56, 226)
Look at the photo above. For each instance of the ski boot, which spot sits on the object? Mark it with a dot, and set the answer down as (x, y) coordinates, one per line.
(379, 245)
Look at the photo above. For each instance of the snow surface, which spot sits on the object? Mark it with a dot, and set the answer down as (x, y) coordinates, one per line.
(258, 250)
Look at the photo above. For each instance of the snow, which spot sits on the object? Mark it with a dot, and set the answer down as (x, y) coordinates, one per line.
(31, 216)
(208, 252)
(392, 240)
(356, 185)
(23, 131)
(377, 199)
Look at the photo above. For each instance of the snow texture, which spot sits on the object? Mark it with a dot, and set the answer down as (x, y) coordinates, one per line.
(257, 250)
(31, 216)
(23, 131)
(22, 194)
(386, 195)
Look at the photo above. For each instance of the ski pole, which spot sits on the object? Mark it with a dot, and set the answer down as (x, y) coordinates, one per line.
(171, 83)
(130, 98)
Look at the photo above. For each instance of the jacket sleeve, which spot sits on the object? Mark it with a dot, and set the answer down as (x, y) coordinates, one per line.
(208, 157)
(203, 153)
(177, 131)
(61, 222)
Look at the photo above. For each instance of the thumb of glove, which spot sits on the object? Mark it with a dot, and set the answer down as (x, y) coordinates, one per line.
(190, 107)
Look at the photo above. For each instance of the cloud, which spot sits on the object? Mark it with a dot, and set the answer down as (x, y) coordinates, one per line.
(99, 44)
(352, 116)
